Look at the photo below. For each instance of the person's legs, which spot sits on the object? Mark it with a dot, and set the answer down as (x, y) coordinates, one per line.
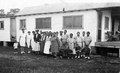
(22, 50)
(15, 51)
(88, 53)
(78, 52)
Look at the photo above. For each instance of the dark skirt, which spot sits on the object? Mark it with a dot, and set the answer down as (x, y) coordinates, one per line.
(42, 44)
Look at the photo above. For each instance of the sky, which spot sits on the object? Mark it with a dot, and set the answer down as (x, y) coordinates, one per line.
(10, 4)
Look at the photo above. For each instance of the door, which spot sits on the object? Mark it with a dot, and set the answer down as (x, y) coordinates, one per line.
(99, 30)
(12, 29)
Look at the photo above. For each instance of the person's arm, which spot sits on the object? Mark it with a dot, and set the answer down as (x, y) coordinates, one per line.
(19, 38)
(75, 43)
(58, 41)
(90, 41)
(39, 38)
(26, 40)
(82, 42)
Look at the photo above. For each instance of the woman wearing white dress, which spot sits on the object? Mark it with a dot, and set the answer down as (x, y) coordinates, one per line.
(71, 43)
(47, 44)
(32, 41)
(22, 41)
(29, 38)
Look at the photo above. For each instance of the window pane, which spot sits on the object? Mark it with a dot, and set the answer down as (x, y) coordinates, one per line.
(38, 23)
(106, 22)
(1, 24)
(22, 24)
(68, 22)
(77, 21)
(43, 23)
(73, 22)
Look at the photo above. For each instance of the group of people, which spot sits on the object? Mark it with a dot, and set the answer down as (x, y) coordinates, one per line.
(59, 44)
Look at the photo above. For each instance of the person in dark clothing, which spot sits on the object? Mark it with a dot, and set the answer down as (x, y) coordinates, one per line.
(37, 38)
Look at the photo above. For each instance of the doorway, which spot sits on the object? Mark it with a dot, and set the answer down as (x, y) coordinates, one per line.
(99, 30)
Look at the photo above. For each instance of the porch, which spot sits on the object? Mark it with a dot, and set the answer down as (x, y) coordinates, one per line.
(112, 42)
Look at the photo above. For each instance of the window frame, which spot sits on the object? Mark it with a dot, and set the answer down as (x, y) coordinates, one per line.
(20, 24)
(73, 16)
(106, 28)
(3, 25)
(44, 18)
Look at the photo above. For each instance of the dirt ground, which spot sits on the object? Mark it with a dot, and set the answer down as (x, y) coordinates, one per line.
(31, 63)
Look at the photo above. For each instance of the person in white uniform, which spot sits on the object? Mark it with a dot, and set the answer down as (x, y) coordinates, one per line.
(78, 44)
(29, 38)
(32, 41)
(47, 44)
(71, 43)
(82, 51)
(87, 41)
(22, 41)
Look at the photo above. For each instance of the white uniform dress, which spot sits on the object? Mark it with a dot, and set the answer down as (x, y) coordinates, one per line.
(29, 38)
(83, 42)
(22, 39)
(33, 43)
(71, 42)
(87, 40)
(60, 37)
(47, 45)
(79, 40)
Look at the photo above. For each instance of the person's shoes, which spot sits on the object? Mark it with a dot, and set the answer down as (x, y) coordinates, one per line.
(75, 56)
(61, 57)
(78, 56)
(15, 52)
(56, 58)
(29, 52)
(68, 58)
(85, 57)
(22, 52)
(88, 57)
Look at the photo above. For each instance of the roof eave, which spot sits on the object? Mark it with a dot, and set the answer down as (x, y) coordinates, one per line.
(65, 11)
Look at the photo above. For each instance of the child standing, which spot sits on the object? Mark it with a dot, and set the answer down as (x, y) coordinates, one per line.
(15, 47)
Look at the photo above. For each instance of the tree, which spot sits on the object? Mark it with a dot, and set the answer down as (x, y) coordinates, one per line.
(2, 13)
(13, 12)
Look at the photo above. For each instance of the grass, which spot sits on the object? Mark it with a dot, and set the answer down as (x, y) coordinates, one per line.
(30, 63)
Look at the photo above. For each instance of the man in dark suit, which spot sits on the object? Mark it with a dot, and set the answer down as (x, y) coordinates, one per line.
(37, 38)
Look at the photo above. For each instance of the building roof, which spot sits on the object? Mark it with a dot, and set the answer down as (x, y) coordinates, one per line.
(51, 8)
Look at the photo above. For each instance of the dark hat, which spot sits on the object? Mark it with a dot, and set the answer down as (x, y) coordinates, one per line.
(23, 29)
(37, 30)
(29, 32)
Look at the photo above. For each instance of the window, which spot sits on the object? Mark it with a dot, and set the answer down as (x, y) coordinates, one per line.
(73, 22)
(106, 22)
(1, 24)
(23, 24)
(43, 23)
